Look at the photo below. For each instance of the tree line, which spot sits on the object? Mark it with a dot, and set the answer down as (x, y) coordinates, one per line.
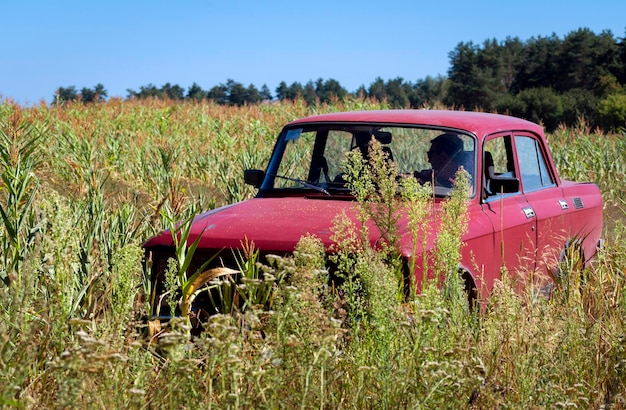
(549, 80)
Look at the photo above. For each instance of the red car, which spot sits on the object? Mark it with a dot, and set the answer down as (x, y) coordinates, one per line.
(522, 216)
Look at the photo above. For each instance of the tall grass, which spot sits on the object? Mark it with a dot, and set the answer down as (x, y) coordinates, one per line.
(85, 185)
(587, 156)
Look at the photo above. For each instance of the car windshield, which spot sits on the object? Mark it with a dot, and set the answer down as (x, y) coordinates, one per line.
(312, 157)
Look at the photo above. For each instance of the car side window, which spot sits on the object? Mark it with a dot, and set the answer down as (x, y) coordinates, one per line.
(502, 163)
(498, 163)
(532, 164)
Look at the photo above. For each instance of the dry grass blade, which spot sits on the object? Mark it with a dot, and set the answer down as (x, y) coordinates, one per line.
(197, 280)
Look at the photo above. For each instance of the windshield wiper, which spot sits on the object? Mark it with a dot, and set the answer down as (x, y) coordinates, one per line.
(304, 183)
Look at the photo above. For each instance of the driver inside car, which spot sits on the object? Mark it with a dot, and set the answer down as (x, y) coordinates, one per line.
(443, 157)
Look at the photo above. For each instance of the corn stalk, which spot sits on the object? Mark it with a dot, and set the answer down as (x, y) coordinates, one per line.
(19, 186)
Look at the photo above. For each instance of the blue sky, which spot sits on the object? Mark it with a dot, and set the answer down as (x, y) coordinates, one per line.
(126, 44)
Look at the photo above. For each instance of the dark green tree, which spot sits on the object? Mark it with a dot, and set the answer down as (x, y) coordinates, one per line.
(309, 94)
(65, 94)
(219, 94)
(294, 91)
(145, 91)
(429, 91)
(281, 91)
(621, 73)
(541, 105)
(538, 65)
(291, 92)
(237, 93)
(377, 90)
(87, 95)
(329, 90)
(253, 96)
(398, 92)
(469, 86)
(173, 92)
(361, 92)
(101, 92)
(91, 95)
(479, 76)
(579, 105)
(585, 57)
(266, 94)
(195, 92)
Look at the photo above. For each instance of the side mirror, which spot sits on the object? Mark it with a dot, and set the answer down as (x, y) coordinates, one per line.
(254, 177)
(504, 185)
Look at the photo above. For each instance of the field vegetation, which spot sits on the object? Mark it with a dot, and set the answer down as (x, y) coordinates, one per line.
(84, 185)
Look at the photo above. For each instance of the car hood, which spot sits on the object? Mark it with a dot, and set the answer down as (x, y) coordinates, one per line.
(273, 224)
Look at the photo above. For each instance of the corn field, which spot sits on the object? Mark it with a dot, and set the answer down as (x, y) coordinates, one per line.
(84, 185)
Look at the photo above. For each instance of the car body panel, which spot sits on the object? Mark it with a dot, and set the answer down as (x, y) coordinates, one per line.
(273, 224)
(477, 123)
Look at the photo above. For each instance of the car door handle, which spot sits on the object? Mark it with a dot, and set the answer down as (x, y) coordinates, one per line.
(529, 212)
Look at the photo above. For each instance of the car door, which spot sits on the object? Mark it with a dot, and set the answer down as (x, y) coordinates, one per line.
(512, 217)
(546, 200)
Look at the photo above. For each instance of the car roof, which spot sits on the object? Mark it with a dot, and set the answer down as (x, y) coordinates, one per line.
(478, 123)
